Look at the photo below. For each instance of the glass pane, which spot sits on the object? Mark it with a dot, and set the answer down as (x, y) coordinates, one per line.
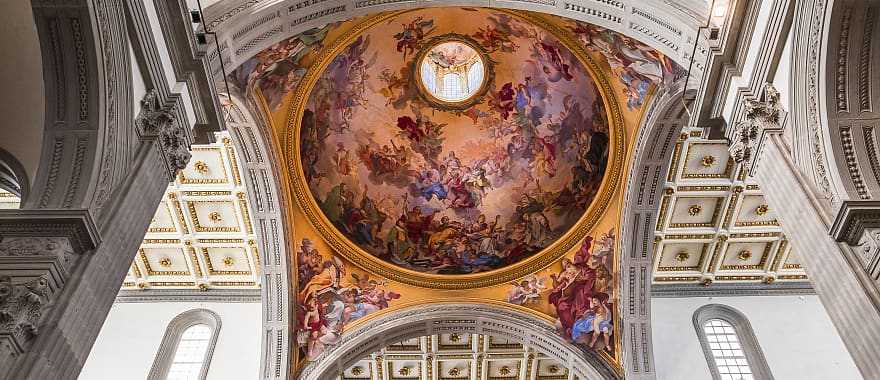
(190, 353)
(730, 360)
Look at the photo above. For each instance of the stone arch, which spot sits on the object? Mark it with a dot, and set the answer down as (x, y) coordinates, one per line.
(87, 107)
(851, 107)
(250, 138)
(660, 130)
(472, 318)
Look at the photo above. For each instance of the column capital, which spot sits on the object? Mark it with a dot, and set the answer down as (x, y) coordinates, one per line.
(761, 116)
(853, 219)
(158, 122)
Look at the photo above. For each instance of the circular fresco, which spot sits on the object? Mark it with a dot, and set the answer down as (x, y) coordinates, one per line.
(448, 191)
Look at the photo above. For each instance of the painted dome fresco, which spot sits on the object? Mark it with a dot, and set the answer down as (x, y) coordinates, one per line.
(453, 142)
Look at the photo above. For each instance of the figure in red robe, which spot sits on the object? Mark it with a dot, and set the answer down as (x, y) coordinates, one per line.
(573, 288)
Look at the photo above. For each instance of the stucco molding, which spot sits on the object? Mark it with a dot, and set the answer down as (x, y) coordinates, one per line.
(171, 340)
(731, 290)
(189, 295)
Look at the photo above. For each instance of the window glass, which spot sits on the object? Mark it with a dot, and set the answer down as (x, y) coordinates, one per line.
(190, 353)
(726, 350)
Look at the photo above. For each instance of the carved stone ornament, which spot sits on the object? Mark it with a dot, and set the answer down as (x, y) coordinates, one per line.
(55, 247)
(157, 121)
(760, 116)
(21, 307)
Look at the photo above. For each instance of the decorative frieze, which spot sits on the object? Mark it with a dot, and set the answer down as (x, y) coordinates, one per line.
(157, 121)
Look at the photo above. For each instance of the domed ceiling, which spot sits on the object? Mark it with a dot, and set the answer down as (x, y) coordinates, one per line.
(454, 142)
(448, 154)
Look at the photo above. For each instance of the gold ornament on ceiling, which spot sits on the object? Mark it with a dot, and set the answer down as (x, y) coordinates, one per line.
(404, 371)
(454, 372)
(695, 210)
(744, 255)
(228, 261)
(201, 167)
(455, 338)
(165, 262)
(215, 217)
(707, 161)
(357, 371)
(553, 368)
(682, 256)
(762, 210)
(504, 371)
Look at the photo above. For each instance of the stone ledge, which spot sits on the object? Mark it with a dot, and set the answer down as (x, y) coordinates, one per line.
(78, 226)
(852, 220)
(189, 295)
(731, 290)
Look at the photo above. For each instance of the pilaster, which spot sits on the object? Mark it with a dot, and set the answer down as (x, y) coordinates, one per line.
(39, 250)
(835, 270)
(82, 273)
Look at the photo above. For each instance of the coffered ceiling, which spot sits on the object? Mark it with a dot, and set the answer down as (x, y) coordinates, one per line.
(202, 234)
(8, 200)
(714, 224)
(457, 356)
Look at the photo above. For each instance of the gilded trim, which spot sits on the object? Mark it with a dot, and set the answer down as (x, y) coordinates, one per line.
(353, 253)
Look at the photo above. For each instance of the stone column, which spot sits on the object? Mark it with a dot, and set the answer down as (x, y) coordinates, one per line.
(59, 273)
(836, 272)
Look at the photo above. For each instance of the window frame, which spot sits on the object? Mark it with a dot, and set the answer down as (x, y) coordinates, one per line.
(171, 341)
(744, 333)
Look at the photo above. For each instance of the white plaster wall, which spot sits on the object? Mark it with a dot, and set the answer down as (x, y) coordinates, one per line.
(132, 333)
(794, 332)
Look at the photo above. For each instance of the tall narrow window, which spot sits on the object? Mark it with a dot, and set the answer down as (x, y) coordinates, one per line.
(730, 360)
(730, 345)
(190, 353)
(186, 350)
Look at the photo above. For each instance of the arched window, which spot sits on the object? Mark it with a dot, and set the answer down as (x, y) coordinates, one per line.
(186, 350)
(729, 344)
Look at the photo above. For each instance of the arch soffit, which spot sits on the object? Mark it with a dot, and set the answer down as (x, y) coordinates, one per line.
(245, 28)
(844, 99)
(470, 318)
(250, 138)
(660, 129)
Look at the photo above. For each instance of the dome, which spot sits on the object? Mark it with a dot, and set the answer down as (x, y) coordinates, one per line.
(453, 181)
